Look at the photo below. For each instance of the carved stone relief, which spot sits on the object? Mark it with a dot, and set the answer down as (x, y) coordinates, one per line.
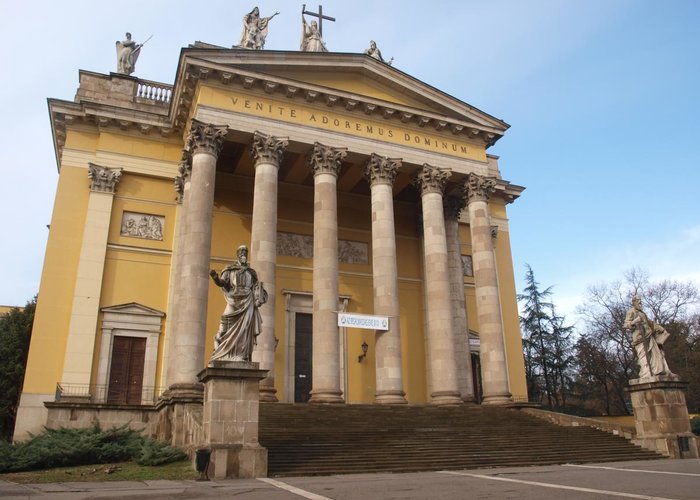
(302, 245)
(467, 265)
(145, 226)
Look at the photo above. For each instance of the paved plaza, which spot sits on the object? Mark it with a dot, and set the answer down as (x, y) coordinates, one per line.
(654, 479)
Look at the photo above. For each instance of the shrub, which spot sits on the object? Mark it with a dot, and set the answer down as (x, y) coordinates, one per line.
(64, 447)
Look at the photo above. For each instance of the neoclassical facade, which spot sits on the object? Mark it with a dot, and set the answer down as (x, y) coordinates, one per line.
(358, 189)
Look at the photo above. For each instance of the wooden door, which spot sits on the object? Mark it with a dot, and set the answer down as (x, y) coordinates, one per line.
(126, 370)
(303, 351)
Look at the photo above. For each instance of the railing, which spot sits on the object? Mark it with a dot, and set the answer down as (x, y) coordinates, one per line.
(100, 394)
(154, 91)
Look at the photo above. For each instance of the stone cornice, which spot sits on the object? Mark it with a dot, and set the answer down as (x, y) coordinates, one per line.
(325, 159)
(195, 69)
(381, 170)
(266, 148)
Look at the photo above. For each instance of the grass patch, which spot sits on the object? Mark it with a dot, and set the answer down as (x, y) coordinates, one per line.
(121, 471)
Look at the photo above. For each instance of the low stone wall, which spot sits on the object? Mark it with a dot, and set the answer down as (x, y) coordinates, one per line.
(86, 415)
(564, 420)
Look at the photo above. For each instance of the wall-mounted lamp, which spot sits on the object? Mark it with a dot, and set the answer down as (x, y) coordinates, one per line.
(364, 352)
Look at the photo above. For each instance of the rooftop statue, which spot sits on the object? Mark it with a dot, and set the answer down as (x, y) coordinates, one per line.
(254, 30)
(373, 51)
(648, 338)
(127, 53)
(241, 322)
(311, 40)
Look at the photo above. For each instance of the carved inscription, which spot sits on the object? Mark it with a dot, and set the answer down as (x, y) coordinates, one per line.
(145, 226)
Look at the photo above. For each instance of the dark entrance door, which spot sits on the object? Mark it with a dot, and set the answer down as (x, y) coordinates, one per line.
(126, 370)
(302, 357)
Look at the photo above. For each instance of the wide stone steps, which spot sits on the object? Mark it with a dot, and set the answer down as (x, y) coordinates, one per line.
(343, 439)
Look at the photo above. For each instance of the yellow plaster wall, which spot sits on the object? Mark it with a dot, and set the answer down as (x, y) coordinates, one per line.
(52, 318)
(135, 275)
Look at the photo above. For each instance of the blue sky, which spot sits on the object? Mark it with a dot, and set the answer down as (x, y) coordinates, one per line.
(602, 98)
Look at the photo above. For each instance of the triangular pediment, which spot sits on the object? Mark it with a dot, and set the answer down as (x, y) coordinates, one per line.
(338, 77)
(133, 308)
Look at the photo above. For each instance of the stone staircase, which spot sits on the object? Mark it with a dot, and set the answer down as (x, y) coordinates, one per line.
(344, 439)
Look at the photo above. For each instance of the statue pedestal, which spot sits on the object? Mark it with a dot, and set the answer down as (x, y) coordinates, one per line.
(661, 416)
(230, 419)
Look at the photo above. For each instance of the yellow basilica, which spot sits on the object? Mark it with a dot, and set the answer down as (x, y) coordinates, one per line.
(358, 189)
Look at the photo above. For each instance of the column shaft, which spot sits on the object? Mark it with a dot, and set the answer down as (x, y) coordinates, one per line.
(437, 282)
(205, 142)
(267, 152)
(494, 370)
(326, 383)
(459, 308)
(389, 377)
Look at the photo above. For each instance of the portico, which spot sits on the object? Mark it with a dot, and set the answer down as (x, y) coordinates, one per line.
(356, 190)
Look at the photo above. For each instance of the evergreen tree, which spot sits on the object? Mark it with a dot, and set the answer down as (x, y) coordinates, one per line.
(15, 333)
(547, 344)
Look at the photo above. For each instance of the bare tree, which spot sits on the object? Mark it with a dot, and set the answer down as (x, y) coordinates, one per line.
(666, 302)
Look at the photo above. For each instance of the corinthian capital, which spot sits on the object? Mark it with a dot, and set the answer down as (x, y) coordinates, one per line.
(478, 187)
(453, 205)
(325, 159)
(431, 179)
(206, 138)
(184, 170)
(268, 148)
(103, 179)
(381, 170)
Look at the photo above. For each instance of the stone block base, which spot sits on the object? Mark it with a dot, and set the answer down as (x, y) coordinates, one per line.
(230, 419)
(670, 446)
(237, 460)
(661, 416)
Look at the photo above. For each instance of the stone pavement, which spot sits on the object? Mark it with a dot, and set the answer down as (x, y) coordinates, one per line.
(653, 479)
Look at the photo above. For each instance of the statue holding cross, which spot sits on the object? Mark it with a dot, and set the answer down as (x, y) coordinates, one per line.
(312, 34)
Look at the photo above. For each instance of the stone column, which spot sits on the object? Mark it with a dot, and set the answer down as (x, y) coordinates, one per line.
(431, 183)
(267, 152)
(453, 207)
(175, 292)
(381, 173)
(77, 364)
(325, 163)
(494, 370)
(204, 144)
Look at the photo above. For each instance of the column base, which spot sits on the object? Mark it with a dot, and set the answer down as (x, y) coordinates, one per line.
(445, 398)
(268, 393)
(469, 400)
(326, 397)
(390, 398)
(497, 399)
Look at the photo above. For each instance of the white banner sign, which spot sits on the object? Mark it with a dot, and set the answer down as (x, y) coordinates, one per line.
(366, 321)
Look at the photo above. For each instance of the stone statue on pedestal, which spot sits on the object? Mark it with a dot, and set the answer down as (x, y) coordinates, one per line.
(127, 53)
(373, 51)
(648, 339)
(254, 30)
(311, 37)
(241, 322)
